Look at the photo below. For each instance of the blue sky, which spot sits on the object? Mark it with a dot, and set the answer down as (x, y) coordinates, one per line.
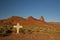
(50, 9)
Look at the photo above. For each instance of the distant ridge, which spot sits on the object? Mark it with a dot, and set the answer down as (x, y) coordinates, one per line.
(29, 21)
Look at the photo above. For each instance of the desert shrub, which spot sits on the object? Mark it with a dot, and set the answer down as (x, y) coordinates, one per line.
(4, 31)
(49, 30)
(14, 30)
(22, 30)
(57, 31)
(44, 30)
(29, 30)
(36, 29)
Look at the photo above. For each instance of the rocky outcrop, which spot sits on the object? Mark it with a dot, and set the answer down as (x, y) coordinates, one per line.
(42, 19)
(30, 21)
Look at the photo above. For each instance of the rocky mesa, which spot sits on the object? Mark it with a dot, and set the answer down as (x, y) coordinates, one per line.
(30, 21)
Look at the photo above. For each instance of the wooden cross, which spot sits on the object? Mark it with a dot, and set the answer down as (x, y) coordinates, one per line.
(18, 27)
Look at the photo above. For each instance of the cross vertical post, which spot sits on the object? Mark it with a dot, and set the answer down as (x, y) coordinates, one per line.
(17, 27)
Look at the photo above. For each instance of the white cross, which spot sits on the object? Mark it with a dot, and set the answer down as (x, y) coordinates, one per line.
(17, 27)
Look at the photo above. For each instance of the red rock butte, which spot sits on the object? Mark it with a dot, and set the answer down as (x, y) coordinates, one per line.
(29, 21)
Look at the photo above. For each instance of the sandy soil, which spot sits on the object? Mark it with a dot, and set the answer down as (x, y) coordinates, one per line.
(32, 36)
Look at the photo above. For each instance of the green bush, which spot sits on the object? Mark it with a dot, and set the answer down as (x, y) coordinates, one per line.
(4, 31)
(29, 30)
(36, 29)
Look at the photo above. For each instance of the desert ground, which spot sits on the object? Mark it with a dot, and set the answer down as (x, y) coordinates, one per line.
(45, 30)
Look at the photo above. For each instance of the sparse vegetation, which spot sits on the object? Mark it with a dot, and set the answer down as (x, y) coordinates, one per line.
(22, 30)
(4, 30)
(28, 33)
(36, 29)
(39, 29)
(50, 30)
